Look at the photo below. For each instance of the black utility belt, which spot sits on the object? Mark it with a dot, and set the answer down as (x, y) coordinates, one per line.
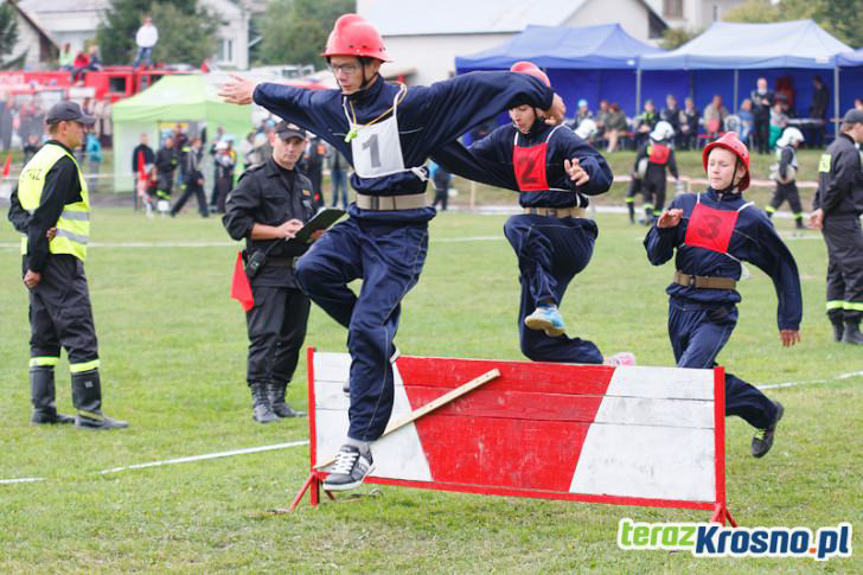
(281, 262)
(259, 258)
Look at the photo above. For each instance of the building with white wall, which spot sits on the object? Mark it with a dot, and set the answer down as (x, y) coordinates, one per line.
(424, 38)
(692, 15)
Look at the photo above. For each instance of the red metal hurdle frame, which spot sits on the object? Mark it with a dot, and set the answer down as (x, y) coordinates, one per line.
(718, 507)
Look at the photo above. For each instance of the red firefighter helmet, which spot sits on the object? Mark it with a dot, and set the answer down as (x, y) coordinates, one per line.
(353, 36)
(532, 69)
(732, 143)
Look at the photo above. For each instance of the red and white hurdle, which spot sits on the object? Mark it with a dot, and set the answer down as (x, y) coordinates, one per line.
(627, 435)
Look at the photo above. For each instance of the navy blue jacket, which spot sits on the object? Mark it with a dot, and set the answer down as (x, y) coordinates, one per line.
(428, 117)
(754, 240)
(490, 161)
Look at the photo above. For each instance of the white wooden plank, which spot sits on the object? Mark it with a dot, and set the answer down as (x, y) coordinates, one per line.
(651, 462)
(661, 382)
(678, 413)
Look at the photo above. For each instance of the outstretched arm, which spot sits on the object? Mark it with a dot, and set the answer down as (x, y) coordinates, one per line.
(775, 259)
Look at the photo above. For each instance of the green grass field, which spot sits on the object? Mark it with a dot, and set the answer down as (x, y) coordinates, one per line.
(173, 353)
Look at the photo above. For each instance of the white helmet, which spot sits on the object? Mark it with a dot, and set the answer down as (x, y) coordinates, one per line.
(662, 131)
(586, 129)
(790, 136)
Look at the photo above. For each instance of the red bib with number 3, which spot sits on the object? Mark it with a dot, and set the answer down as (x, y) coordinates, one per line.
(529, 166)
(710, 228)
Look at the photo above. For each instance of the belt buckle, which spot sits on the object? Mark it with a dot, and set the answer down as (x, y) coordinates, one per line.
(691, 282)
(552, 212)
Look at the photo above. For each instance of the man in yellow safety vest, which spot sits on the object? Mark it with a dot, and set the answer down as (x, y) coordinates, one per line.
(50, 206)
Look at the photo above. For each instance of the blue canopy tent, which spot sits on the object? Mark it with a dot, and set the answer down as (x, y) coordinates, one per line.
(730, 55)
(592, 62)
(850, 66)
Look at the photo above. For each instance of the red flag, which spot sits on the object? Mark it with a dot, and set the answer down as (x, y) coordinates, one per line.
(240, 288)
(7, 165)
(142, 173)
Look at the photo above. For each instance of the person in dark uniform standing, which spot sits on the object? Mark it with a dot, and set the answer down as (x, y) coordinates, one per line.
(838, 205)
(51, 207)
(269, 205)
(785, 174)
(313, 167)
(714, 232)
(386, 131)
(762, 100)
(166, 163)
(194, 179)
(554, 170)
(651, 163)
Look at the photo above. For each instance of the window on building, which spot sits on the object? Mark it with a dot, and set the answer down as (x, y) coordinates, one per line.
(226, 50)
(672, 8)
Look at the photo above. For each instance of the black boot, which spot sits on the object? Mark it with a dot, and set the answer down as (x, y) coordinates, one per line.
(838, 330)
(42, 397)
(852, 333)
(798, 223)
(262, 410)
(87, 399)
(276, 395)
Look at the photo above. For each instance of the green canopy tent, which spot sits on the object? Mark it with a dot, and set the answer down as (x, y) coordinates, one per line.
(174, 98)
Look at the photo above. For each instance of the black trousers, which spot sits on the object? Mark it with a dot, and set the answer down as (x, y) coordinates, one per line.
(277, 328)
(761, 134)
(789, 193)
(61, 314)
(198, 190)
(845, 267)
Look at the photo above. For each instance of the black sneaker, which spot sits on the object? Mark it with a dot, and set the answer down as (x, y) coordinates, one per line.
(763, 440)
(50, 417)
(350, 469)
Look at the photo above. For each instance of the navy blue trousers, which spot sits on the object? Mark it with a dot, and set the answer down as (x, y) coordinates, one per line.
(550, 251)
(698, 333)
(389, 259)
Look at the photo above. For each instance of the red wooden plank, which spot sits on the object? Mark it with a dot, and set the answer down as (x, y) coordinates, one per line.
(512, 404)
(541, 377)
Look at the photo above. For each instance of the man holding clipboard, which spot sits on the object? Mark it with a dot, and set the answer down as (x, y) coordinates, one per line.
(271, 208)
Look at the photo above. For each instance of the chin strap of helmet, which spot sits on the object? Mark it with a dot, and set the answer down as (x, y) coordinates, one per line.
(730, 189)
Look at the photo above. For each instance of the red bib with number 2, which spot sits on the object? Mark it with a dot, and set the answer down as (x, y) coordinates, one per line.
(529, 166)
(710, 228)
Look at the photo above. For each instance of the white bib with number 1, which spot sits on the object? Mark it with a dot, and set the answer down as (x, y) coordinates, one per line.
(376, 148)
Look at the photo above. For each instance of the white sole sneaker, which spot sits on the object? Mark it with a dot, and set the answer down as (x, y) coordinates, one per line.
(348, 486)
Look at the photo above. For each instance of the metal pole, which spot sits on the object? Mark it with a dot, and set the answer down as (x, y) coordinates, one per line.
(736, 83)
(835, 100)
(638, 90)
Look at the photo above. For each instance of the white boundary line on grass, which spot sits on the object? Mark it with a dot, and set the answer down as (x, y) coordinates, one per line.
(796, 383)
(172, 245)
(177, 460)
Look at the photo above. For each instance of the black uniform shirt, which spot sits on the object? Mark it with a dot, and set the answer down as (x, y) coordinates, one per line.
(62, 187)
(270, 195)
(840, 189)
(166, 160)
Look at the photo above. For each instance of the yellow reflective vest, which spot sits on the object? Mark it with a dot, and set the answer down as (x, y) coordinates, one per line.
(73, 226)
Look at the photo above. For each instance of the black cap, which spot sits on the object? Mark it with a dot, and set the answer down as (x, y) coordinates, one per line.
(853, 116)
(68, 111)
(286, 131)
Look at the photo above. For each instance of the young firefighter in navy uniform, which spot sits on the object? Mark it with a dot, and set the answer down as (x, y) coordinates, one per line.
(713, 233)
(659, 157)
(785, 174)
(838, 205)
(51, 207)
(554, 170)
(386, 132)
(269, 205)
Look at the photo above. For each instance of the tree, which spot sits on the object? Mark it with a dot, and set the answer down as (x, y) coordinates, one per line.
(8, 37)
(295, 31)
(676, 37)
(842, 18)
(186, 32)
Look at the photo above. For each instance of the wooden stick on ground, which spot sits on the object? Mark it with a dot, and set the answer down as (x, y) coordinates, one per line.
(431, 406)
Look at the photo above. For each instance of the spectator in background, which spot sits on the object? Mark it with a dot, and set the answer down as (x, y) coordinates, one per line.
(339, 176)
(93, 151)
(194, 182)
(778, 121)
(581, 114)
(95, 60)
(214, 194)
(312, 166)
(645, 123)
(30, 148)
(747, 121)
(615, 126)
(601, 119)
(672, 114)
(818, 111)
(441, 179)
(80, 65)
(858, 104)
(714, 117)
(226, 162)
(266, 148)
(762, 101)
(146, 39)
(7, 121)
(143, 156)
(67, 57)
(689, 125)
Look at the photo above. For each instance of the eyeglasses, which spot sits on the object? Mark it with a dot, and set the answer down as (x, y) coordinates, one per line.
(351, 68)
